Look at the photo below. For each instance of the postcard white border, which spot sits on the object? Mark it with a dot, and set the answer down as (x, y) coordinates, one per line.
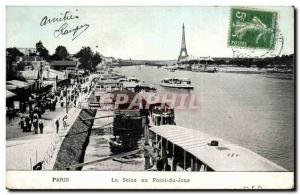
(233, 180)
(155, 180)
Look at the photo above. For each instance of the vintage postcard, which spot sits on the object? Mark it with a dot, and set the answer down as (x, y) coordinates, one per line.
(150, 97)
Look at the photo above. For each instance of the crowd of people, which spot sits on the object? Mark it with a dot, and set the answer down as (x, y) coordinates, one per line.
(30, 113)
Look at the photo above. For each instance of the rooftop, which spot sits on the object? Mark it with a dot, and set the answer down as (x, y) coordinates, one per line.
(63, 63)
(9, 94)
(13, 84)
(30, 74)
(224, 157)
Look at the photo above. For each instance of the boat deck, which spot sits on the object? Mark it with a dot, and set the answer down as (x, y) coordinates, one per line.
(224, 157)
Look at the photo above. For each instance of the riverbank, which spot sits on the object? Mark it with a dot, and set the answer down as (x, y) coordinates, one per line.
(98, 147)
(73, 146)
(253, 70)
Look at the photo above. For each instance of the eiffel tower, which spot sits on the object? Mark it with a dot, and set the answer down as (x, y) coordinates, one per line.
(183, 47)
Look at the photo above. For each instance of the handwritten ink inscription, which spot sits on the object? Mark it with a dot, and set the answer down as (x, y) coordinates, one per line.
(65, 28)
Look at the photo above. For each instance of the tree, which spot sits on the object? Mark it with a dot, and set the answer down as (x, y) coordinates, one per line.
(11, 57)
(43, 52)
(96, 59)
(85, 57)
(61, 53)
(88, 59)
(12, 53)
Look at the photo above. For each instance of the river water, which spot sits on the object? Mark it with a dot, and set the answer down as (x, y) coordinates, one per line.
(255, 111)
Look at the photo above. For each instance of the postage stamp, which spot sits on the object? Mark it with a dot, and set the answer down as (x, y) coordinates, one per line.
(252, 28)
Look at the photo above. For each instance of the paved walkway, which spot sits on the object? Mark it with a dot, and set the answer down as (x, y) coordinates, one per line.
(13, 129)
(23, 150)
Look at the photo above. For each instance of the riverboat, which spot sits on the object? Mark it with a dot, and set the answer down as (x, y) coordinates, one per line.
(182, 83)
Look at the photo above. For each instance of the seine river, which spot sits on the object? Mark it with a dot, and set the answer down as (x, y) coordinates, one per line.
(255, 111)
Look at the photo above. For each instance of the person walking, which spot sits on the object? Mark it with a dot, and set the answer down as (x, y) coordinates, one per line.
(41, 126)
(39, 112)
(65, 122)
(29, 127)
(57, 125)
(22, 124)
(74, 102)
(27, 121)
(54, 105)
(35, 125)
(31, 115)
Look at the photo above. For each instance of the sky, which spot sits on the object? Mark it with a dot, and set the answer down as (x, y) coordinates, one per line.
(148, 33)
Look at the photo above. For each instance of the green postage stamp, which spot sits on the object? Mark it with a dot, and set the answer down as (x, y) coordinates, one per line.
(252, 28)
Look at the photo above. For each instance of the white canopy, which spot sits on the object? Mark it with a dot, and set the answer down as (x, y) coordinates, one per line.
(224, 157)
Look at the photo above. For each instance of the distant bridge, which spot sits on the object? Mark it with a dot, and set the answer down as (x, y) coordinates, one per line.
(146, 62)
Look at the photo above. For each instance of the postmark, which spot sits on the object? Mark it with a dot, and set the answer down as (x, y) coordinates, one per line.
(252, 28)
(240, 52)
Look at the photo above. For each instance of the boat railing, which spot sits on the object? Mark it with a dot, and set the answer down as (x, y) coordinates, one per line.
(162, 117)
(192, 150)
(127, 112)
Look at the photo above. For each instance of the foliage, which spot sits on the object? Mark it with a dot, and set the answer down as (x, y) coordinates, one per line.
(11, 56)
(61, 53)
(285, 60)
(43, 52)
(96, 59)
(88, 59)
(12, 53)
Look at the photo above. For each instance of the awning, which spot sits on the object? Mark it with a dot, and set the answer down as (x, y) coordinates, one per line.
(9, 94)
(11, 87)
(17, 84)
(224, 157)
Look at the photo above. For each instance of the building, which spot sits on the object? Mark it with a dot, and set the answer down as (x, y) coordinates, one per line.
(27, 51)
(64, 65)
(51, 74)
(30, 63)
(53, 77)
(33, 77)
(108, 61)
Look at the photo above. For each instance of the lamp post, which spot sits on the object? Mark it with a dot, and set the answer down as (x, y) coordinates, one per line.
(67, 91)
(67, 99)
